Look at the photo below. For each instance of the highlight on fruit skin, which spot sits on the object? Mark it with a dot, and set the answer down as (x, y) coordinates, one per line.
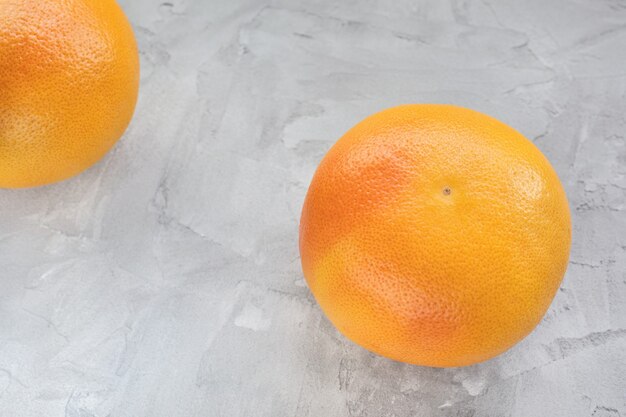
(434, 235)
(69, 81)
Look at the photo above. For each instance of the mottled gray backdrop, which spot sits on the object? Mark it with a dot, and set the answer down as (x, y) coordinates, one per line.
(165, 281)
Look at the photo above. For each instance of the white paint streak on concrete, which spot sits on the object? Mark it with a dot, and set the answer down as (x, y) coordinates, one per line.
(252, 317)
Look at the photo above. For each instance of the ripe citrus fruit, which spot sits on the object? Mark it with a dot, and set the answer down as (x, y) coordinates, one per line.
(69, 77)
(434, 235)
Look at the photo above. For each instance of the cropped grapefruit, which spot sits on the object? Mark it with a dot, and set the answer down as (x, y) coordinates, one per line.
(69, 77)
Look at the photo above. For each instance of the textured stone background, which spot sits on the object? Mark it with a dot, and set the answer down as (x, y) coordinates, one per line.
(165, 282)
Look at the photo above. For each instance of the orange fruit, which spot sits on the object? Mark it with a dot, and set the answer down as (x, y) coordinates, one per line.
(434, 235)
(69, 78)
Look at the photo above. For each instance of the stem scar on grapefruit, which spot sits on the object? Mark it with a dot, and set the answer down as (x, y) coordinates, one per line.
(434, 235)
(69, 79)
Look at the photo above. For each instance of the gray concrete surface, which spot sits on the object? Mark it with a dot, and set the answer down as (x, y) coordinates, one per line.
(165, 282)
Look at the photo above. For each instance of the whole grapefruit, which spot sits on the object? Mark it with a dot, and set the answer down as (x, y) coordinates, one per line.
(434, 235)
(69, 78)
